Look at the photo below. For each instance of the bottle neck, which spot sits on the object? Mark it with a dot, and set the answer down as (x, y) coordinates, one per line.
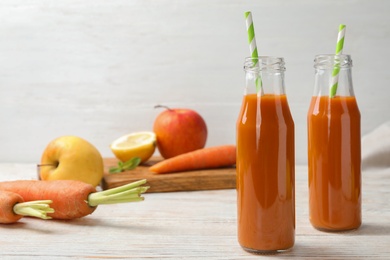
(333, 75)
(264, 75)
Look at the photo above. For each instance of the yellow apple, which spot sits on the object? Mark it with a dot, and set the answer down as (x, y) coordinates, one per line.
(71, 158)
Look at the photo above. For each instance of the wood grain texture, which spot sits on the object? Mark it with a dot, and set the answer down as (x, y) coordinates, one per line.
(208, 179)
(191, 225)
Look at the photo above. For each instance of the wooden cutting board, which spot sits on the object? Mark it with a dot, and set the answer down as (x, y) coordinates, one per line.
(209, 179)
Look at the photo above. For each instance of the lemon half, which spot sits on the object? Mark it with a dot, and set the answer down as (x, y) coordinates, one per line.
(140, 144)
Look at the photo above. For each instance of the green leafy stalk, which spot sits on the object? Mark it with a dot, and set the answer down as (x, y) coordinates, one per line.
(127, 193)
(38, 209)
(125, 166)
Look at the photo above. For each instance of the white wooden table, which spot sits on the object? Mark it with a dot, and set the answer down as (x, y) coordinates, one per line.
(191, 225)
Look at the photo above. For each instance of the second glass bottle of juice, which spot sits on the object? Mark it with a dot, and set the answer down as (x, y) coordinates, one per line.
(334, 154)
(265, 160)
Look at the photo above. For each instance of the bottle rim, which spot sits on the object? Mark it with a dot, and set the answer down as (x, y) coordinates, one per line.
(329, 61)
(264, 63)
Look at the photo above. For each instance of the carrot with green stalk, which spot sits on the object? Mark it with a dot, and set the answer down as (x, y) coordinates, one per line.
(13, 208)
(73, 199)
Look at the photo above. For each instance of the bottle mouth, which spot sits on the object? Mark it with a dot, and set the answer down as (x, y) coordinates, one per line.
(264, 63)
(329, 61)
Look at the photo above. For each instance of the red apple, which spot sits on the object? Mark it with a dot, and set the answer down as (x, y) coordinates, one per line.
(179, 131)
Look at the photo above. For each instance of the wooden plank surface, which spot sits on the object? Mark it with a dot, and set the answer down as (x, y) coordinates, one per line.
(191, 225)
(209, 179)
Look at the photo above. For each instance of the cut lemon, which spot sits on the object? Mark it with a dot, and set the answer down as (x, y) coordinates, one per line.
(140, 144)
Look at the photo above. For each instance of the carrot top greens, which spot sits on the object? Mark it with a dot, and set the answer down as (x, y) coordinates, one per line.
(37, 208)
(127, 193)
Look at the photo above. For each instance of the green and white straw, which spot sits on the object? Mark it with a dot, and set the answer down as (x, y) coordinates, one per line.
(336, 69)
(253, 47)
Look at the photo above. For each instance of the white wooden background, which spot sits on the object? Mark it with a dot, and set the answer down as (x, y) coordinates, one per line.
(96, 68)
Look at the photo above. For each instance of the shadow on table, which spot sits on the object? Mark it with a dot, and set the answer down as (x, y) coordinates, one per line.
(366, 229)
(372, 229)
(120, 225)
(22, 224)
(46, 226)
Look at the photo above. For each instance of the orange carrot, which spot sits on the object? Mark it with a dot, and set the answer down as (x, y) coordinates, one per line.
(8, 200)
(206, 158)
(13, 208)
(73, 199)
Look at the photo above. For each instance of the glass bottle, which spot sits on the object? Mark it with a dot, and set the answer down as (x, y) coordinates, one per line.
(334, 153)
(265, 160)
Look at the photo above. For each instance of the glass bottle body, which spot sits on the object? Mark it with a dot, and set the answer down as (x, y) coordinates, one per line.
(265, 160)
(334, 150)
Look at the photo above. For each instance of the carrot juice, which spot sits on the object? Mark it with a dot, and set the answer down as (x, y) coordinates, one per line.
(265, 174)
(334, 163)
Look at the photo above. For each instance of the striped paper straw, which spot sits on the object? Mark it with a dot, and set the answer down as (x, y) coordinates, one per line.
(336, 69)
(252, 45)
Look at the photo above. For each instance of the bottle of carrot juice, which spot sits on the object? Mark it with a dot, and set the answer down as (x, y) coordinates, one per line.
(265, 160)
(334, 155)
